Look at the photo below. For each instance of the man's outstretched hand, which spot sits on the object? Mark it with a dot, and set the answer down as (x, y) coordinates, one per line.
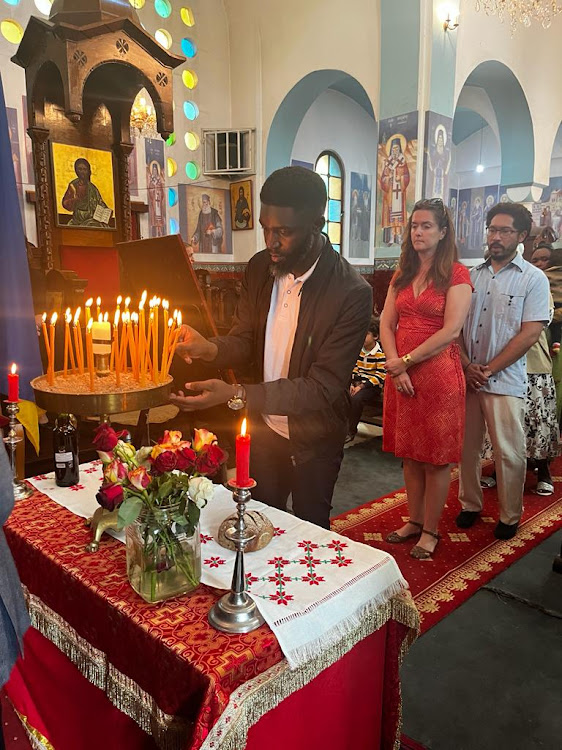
(208, 393)
(192, 345)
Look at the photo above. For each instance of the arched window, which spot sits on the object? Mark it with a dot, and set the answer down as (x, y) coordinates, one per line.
(330, 168)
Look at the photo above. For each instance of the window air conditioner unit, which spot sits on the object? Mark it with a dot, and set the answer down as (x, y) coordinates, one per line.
(228, 153)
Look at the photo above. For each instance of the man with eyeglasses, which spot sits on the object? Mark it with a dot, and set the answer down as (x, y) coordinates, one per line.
(508, 312)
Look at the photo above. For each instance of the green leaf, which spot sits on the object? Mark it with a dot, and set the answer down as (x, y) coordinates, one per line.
(165, 489)
(129, 511)
(193, 514)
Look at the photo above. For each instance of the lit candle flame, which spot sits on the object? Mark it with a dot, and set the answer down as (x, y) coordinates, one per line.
(119, 300)
(135, 317)
(90, 324)
(54, 318)
(14, 368)
(116, 318)
(77, 315)
(106, 317)
(89, 302)
(143, 297)
(44, 317)
(179, 319)
(100, 318)
(98, 301)
(127, 301)
(165, 304)
(68, 317)
(243, 428)
(170, 322)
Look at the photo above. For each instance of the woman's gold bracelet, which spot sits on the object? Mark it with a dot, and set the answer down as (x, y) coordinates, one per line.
(407, 359)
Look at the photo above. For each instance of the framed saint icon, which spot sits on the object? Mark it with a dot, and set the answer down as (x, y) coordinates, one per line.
(84, 187)
(241, 211)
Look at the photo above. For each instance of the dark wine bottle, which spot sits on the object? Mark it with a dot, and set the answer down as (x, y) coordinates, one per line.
(65, 446)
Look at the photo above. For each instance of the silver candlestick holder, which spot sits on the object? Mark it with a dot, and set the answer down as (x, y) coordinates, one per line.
(236, 612)
(21, 490)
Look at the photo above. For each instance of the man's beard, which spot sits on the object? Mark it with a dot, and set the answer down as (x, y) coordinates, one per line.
(206, 209)
(285, 266)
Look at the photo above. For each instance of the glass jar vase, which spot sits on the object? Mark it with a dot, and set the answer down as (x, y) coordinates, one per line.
(163, 561)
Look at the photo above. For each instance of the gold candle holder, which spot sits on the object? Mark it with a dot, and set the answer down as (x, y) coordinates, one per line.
(21, 490)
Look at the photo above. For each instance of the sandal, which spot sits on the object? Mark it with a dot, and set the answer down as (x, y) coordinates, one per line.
(419, 553)
(395, 538)
(544, 488)
(487, 483)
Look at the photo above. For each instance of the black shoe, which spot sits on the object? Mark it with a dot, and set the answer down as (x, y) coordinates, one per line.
(467, 518)
(505, 531)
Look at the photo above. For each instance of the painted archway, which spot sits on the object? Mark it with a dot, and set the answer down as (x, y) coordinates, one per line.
(287, 120)
(514, 122)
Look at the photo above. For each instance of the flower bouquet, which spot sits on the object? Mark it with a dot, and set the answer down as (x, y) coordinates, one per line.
(159, 492)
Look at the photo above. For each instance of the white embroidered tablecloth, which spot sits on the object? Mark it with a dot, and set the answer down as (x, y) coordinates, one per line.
(312, 586)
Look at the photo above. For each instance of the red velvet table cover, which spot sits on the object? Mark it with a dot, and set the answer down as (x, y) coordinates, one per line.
(163, 665)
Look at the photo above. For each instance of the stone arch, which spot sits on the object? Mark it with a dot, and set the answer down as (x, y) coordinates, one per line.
(289, 115)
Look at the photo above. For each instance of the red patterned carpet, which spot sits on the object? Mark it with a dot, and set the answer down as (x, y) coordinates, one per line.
(465, 559)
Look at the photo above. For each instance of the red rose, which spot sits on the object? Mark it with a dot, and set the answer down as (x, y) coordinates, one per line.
(110, 496)
(186, 459)
(209, 459)
(165, 461)
(105, 437)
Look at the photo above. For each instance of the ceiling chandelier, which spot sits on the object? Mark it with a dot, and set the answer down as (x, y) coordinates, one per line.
(522, 11)
(143, 116)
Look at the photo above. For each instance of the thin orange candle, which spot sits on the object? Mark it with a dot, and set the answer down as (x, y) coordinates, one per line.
(115, 349)
(89, 303)
(78, 342)
(90, 352)
(154, 319)
(51, 367)
(173, 344)
(67, 319)
(165, 348)
(127, 303)
(119, 300)
(135, 323)
(123, 349)
(46, 336)
(98, 308)
(131, 343)
(149, 339)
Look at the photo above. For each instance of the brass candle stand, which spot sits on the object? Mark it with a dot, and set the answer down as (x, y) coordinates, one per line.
(21, 490)
(236, 611)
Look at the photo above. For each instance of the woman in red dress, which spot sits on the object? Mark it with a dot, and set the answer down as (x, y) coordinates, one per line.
(424, 397)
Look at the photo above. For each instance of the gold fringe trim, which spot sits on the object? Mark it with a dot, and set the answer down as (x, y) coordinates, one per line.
(265, 692)
(37, 740)
(168, 731)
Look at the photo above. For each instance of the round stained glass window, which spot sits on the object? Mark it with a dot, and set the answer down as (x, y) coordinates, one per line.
(188, 47)
(44, 6)
(191, 110)
(163, 8)
(187, 16)
(163, 37)
(192, 170)
(190, 79)
(138, 4)
(192, 141)
(11, 31)
(171, 166)
(172, 197)
(171, 139)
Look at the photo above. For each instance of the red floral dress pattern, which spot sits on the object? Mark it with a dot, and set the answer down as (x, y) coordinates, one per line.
(428, 426)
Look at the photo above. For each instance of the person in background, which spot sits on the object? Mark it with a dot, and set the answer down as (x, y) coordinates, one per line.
(508, 313)
(423, 417)
(367, 379)
(300, 322)
(14, 619)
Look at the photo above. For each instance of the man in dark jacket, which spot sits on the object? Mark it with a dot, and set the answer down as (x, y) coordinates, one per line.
(301, 320)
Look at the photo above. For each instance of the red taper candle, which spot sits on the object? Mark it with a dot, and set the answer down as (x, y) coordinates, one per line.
(13, 384)
(243, 457)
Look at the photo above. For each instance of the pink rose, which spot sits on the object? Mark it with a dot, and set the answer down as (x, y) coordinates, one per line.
(165, 461)
(110, 496)
(209, 459)
(115, 472)
(186, 459)
(139, 478)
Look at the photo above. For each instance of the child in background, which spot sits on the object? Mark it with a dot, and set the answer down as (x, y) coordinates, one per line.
(368, 376)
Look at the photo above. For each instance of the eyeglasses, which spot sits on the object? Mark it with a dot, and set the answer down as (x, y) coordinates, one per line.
(502, 231)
